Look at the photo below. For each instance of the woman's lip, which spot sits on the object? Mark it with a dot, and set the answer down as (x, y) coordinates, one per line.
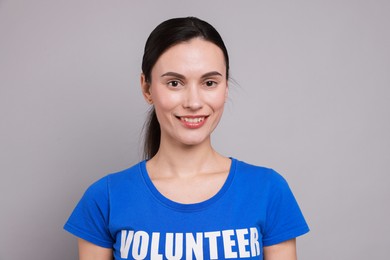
(193, 121)
(191, 117)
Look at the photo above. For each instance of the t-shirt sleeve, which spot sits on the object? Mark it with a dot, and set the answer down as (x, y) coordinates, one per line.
(284, 218)
(89, 220)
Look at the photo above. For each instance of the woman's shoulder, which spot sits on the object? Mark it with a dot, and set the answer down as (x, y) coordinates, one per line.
(115, 179)
(257, 172)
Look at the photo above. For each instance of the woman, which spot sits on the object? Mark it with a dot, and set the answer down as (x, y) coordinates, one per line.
(185, 200)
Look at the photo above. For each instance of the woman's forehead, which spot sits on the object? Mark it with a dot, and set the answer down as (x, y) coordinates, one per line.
(196, 55)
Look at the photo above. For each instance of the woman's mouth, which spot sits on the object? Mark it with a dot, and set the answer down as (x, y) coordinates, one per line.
(193, 121)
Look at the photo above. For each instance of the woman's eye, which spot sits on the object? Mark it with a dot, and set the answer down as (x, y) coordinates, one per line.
(210, 83)
(173, 83)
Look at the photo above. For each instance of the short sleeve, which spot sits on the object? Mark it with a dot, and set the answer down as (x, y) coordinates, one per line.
(284, 218)
(89, 220)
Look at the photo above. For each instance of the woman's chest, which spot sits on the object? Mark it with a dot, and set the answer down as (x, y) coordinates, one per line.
(151, 230)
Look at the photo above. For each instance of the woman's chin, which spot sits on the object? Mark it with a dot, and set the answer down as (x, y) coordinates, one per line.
(194, 141)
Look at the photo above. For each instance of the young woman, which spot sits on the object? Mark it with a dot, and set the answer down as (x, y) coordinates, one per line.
(185, 200)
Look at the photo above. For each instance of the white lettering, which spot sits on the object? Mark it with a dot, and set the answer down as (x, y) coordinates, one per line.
(254, 240)
(242, 242)
(212, 236)
(228, 243)
(126, 239)
(194, 246)
(178, 246)
(154, 255)
(140, 245)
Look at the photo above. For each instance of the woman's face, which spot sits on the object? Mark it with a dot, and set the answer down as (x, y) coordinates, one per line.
(188, 89)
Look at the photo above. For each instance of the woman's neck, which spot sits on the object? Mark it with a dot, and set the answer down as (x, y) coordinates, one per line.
(185, 161)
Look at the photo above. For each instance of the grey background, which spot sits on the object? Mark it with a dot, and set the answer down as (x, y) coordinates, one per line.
(311, 100)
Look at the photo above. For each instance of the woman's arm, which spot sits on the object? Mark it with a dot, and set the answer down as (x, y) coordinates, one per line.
(89, 251)
(285, 250)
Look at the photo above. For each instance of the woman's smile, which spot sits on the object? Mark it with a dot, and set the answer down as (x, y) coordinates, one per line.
(193, 122)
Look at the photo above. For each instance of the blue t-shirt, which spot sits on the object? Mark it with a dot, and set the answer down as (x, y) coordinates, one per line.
(124, 211)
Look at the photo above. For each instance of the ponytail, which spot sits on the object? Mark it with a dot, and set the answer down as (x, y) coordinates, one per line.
(152, 135)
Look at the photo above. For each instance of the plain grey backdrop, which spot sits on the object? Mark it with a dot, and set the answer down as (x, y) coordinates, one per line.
(310, 98)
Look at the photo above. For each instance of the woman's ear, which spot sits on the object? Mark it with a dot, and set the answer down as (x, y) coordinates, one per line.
(146, 91)
(226, 92)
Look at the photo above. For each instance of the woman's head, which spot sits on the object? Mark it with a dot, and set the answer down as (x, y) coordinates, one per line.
(164, 37)
(174, 31)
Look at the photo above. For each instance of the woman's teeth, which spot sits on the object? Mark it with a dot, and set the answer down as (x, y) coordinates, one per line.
(192, 119)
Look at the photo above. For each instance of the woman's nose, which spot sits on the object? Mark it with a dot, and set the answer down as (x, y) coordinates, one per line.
(193, 99)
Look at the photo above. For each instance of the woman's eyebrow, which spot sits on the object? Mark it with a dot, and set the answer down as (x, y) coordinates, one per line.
(173, 74)
(177, 75)
(211, 74)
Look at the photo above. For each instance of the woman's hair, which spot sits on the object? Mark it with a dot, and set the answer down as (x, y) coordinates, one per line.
(164, 36)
